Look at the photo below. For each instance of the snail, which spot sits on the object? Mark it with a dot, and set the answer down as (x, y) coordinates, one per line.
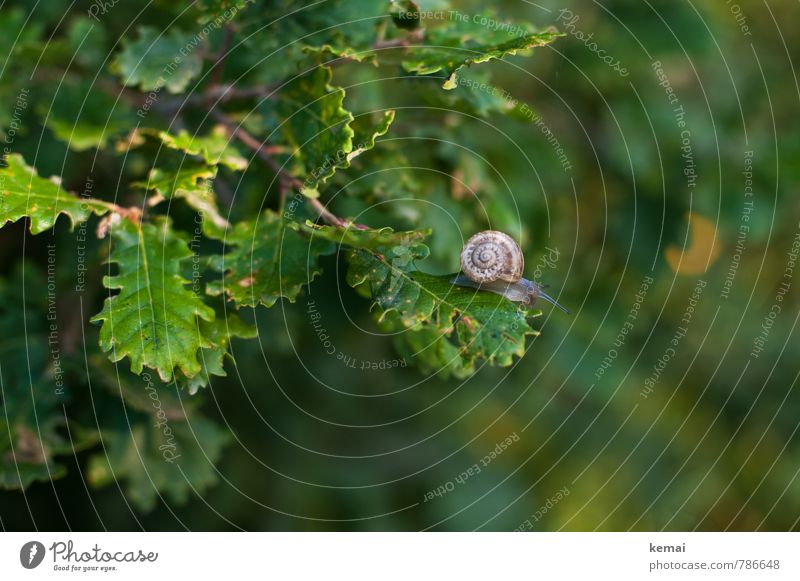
(492, 261)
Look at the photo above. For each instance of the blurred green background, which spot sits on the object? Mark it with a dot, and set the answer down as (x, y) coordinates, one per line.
(653, 406)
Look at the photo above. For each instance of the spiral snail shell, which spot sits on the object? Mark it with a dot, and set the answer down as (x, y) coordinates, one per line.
(491, 255)
(493, 261)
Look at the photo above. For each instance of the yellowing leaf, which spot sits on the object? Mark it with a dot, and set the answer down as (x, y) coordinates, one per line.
(703, 248)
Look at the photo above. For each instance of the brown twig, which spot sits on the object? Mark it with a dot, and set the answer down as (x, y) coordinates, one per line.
(393, 43)
(329, 216)
(258, 147)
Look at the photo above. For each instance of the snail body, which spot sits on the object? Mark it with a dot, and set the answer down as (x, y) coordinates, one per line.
(492, 261)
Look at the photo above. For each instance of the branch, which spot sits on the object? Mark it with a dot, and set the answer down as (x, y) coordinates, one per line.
(330, 217)
(393, 43)
(224, 93)
(286, 181)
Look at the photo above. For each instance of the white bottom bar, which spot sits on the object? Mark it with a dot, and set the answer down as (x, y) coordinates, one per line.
(401, 556)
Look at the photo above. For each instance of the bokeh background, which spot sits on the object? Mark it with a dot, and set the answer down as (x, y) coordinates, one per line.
(655, 191)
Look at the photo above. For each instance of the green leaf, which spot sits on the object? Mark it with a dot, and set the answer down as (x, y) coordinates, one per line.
(157, 441)
(154, 440)
(32, 387)
(179, 181)
(365, 133)
(317, 126)
(280, 51)
(85, 117)
(27, 455)
(87, 42)
(159, 455)
(220, 11)
(268, 261)
(439, 210)
(19, 32)
(215, 148)
(154, 319)
(189, 180)
(383, 267)
(463, 43)
(381, 176)
(337, 22)
(158, 59)
(382, 240)
(219, 333)
(487, 326)
(431, 349)
(475, 95)
(24, 194)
